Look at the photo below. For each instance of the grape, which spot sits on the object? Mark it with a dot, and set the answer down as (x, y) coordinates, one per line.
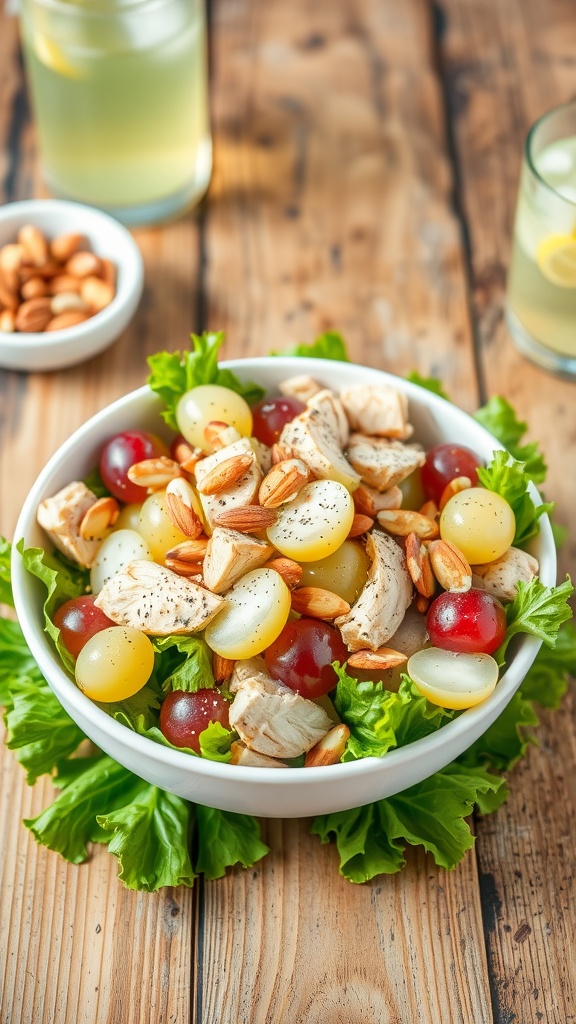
(114, 664)
(78, 620)
(272, 414)
(207, 402)
(315, 523)
(123, 451)
(157, 528)
(183, 716)
(114, 554)
(413, 496)
(473, 622)
(444, 463)
(453, 679)
(129, 518)
(343, 572)
(256, 611)
(480, 523)
(301, 657)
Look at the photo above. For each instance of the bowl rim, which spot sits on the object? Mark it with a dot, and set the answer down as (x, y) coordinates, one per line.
(130, 269)
(508, 683)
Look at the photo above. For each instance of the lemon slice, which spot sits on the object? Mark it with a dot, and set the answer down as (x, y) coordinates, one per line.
(49, 54)
(556, 258)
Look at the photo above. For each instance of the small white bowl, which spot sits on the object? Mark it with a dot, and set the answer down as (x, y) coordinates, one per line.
(53, 350)
(264, 791)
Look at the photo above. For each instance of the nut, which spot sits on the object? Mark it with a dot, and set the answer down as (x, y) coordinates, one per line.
(401, 522)
(429, 509)
(34, 288)
(70, 318)
(64, 283)
(191, 570)
(180, 508)
(460, 483)
(291, 572)
(329, 749)
(222, 668)
(83, 264)
(219, 434)
(33, 315)
(66, 300)
(109, 273)
(449, 566)
(155, 473)
(418, 565)
(99, 518)
(280, 452)
(97, 294)
(246, 518)
(363, 502)
(8, 297)
(360, 524)
(12, 256)
(7, 321)
(318, 603)
(421, 604)
(191, 551)
(380, 660)
(34, 244)
(225, 474)
(186, 456)
(283, 482)
(63, 247)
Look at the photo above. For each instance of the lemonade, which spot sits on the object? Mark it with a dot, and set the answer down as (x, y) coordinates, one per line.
(120, 96)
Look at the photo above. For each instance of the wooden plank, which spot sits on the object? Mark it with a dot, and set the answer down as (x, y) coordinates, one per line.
(505, 63)
(331, 208)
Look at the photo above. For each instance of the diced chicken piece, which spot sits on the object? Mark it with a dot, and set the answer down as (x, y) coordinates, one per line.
(326, 399)
(269, 717)
(229, 555)
(501, 577)
(156, 600)
(263, 455)
(377, 410)
(242, 755)
(381, 501)
(382, 463)
(316, 437)
(61, 516)
(302, 387)
(386, 595)
(243, 492)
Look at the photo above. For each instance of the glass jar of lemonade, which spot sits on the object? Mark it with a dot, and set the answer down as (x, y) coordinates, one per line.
(119, 89)
(541, 294)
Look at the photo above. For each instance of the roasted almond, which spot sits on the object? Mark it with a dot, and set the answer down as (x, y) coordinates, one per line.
(108, 273)
(421, 603)
(291, 572)
(401, 522)
(460, 483)
(99, 518)
(7, 321)
(363, 501)
(84, 264)
(49, 270)
(189, 550)
(318, 603)
(34, 315)
(329, 749)
(186, 456)
(69, 318)
(34, 288)
(64, 283)
(63, 247)
(418, 565)
(380, 660)
(280, 452)
(283, 482)
(97, 294)
(34, 244)
(155, 473)
(191, 570)
(429, 509)
(219, 434)
(449, 566)
(246, 518)
(360, 524)
(180, 507)
(8, 298)
(222, 668)
(66, 300)
(225, 474)
(12, 256)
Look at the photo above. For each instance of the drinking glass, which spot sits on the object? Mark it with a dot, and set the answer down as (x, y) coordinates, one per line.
(541, 294)
(119, 90)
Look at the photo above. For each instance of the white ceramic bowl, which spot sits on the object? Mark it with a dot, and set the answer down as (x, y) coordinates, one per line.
(53, 350)
(263, 791)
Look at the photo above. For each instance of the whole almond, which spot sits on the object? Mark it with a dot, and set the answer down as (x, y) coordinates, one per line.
(12, 256)
(449, 566)
(191, 570)
(180, 508)
(219, 435)
(186, 456)
(99, 518)
(97, 294)
(329, 749)
(108, 273)
(369, 504)
(7, 321)
(363, 502)
(280, 452)
(83, 264)
(460, 483)
(34, 244)
(401, 522)
(225, 474)
(291, 572)
(283, 482)
(418, 565)
(70, 318)
(34, 315)
(421, 603)
(380, 660)
(318, 603)
(49, 270)
(222, 668)
(155, 473)
(64, 301)
(34, 288)
(64, 283)
(11, 281)
(246, 518)
(189, 550)
(429, 509)
(8, 297)
(63, 247)
(360, 524)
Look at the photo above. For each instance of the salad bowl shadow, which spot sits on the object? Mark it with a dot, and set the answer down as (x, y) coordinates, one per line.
(265, 792)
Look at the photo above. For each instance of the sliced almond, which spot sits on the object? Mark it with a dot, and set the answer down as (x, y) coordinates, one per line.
(401, 522)
(219, 434)
(280, 452)
(186, 456)
(429, 509)
(64, 301)
(33, 315)
(34, 244)
(318, 603)
(34, 288)
(225, 474)
(329, 749)
(97, 294)
(84, 264)
(155, 473)
(192, 551)
(460, 483)
(449, 566)
(380, 660)
(247, 518)
(7, 321)
(421, 603)
(222, 668)
(99, 518)
(70, 318)
(180, 508)
(63, 247)
(64, 283)
(419, 567)
(283, 482)
(290, 571)
(360, 524)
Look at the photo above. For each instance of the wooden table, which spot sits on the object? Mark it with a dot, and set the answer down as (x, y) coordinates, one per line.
(366, 160)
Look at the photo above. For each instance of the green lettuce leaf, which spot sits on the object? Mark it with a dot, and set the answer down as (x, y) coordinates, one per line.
(546, 681)
(215, 742)
(225, 839)
(15, 659)
(95, 483)
(138, 712)
(537, 610)
(39, 731)
(173, 374)
(5, 578)
(329, 345)
(433, 384)
(508, 478)
(192, 672)
(63, 580)
(499, 418)
(506, 740)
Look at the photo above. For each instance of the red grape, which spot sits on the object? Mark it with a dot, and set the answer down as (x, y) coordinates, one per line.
(301, 657)
(271, 415)
(78, 620)
(123, 451)
(470, 623)
(183, 716)
(444, 463)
